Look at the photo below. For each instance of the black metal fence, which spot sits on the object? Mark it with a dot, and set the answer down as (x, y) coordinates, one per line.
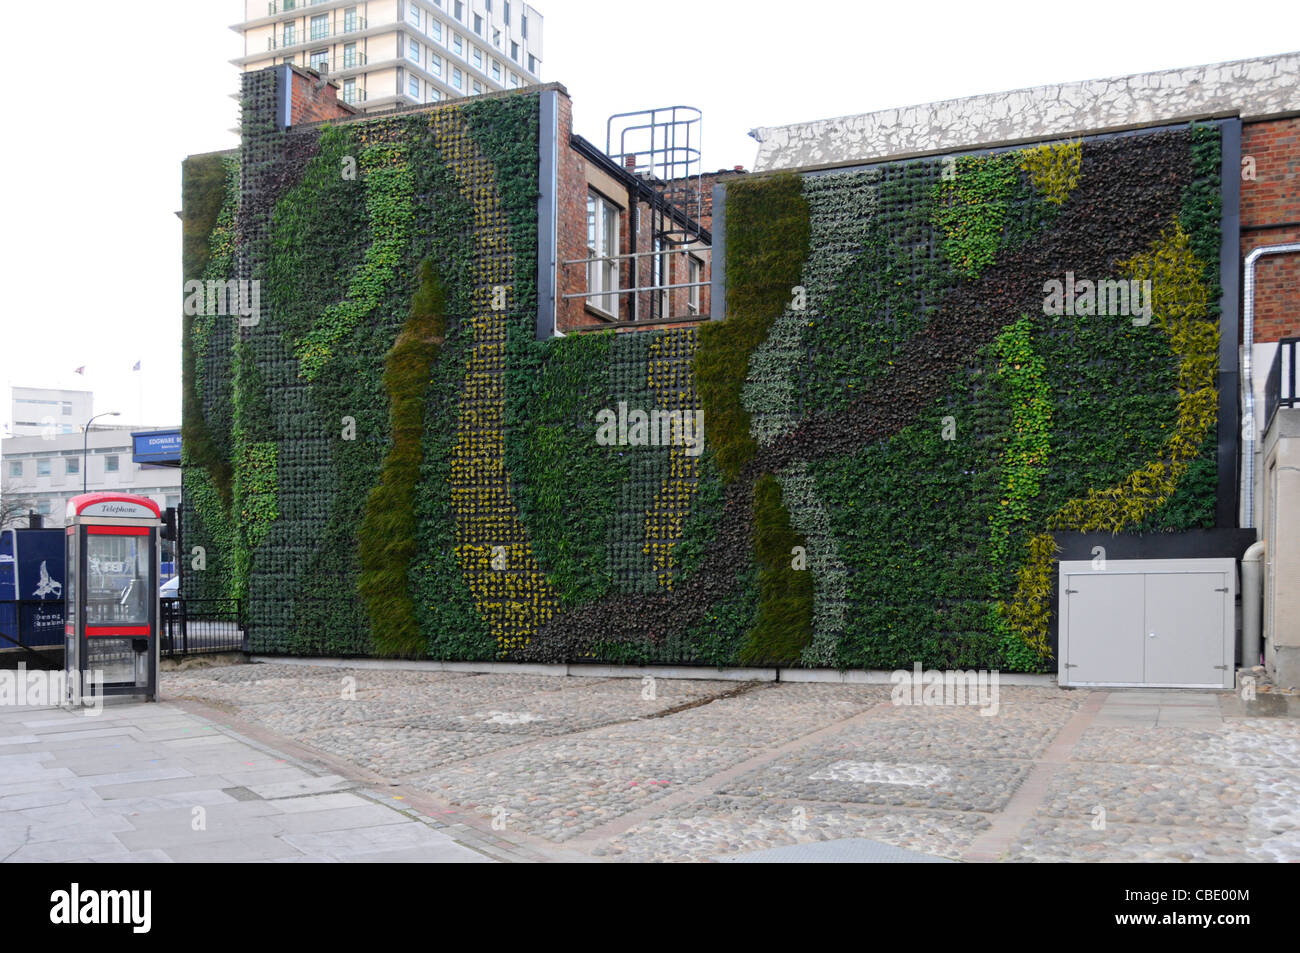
(201, 626)
(1280, 388)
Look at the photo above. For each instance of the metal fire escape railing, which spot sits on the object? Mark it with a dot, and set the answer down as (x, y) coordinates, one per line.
(661, 148)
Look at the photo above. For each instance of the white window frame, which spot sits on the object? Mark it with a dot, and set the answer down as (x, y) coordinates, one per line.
(694, 273)
(602, 243)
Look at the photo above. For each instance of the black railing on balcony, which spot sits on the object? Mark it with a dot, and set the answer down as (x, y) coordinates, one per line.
(1280, 388)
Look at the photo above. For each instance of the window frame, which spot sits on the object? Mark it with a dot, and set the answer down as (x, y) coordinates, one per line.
(603, 233)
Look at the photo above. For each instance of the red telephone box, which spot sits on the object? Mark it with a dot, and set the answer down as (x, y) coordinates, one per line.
(111, 597)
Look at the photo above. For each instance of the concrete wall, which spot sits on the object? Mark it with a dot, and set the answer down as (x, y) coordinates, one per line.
(1280, 528)
(1254, 88)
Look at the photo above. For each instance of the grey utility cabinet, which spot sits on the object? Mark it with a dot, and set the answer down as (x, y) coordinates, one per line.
(1154, 623)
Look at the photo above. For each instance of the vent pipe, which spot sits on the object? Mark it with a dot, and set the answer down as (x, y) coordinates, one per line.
(1248, 428)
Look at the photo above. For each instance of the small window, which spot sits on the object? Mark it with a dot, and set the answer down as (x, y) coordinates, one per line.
(435, 29)
(532, 64)
(523, 26)
(15, 468)
(320, 61)
(457, 44)
(478, 58)
(67, 409)
(695, 272)
(413, 51)
(514, 80)
(111, 463)
(496, 38)
(290, 36)
(413, 14)
(349, 55)
(478, 24)
(514, 51)
(350, 20)
(457, 78)
(71, 465)
(496, 71)
(602, 244)
(43, 507)
(460, 11)
(42, 467)
(413, 87)
(434, 95)
(435, 64)
(320, 26)
(478, 87)
(507, 12)
(350, 90)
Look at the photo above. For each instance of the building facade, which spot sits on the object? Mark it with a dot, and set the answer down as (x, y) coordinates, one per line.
(40, 410)
(386, 53)
(41, 473)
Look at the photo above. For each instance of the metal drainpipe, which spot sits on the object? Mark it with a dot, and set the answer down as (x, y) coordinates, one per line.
(1247, 375)
(1252, 603)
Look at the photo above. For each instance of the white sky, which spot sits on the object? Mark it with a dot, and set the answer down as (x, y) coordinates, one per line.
(109, 103)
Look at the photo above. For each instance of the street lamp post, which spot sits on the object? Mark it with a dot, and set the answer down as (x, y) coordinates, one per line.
(85, 437)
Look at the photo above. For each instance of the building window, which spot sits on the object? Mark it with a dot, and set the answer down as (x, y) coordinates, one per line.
(111, 463)
(350, 91)
(290, 37)
(660, 278)
(478, 24)
(71, 465)
(496, 71)
(478, 87)
(514, 51)
(42, 468)
(43, 507)
(523, 26)
(349, 55)
(457, 45)
(460, 11)
(320, 61)
(602, 243)
(320, 26)
(478, 58)
(496, 38)
(15, 468)
(434, 95)
(489, 6)
(413, 87)
(67, 409)
(435, 64)
(413, 14)
(507, 11)
(514, 80)
(350, 20)
(435, 29)
(413, 51)
(458, 78)
(532, 64)
(695, 274)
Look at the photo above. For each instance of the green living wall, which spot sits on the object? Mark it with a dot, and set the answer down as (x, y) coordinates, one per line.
(388, 463)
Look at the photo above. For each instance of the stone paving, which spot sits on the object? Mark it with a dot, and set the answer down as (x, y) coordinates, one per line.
(390, 764)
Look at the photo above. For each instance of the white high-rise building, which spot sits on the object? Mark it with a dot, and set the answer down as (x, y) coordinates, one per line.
(384, 53)
(38, 411)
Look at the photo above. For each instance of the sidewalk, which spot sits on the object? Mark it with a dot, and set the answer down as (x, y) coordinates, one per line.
(153, 783)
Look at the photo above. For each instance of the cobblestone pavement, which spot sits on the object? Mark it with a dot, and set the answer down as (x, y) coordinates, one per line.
(622, 769)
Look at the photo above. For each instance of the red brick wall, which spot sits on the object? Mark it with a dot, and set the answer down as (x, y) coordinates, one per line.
(1273, 198)
(571, 245)
(309, 104)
